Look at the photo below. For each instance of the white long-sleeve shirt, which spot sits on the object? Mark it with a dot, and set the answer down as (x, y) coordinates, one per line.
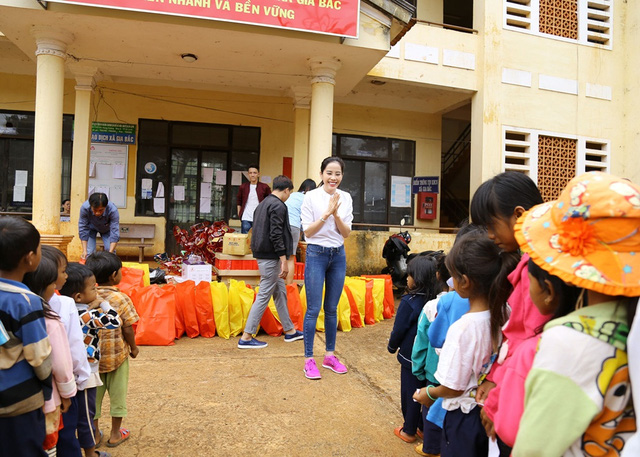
(65, 307)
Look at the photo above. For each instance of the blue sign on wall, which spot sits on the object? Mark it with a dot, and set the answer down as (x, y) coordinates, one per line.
(425, 184)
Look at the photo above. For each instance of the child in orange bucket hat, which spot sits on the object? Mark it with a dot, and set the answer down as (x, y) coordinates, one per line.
(578, 392)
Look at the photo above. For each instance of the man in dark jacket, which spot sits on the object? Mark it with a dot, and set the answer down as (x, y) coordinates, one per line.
(271, 244)
(250, 195)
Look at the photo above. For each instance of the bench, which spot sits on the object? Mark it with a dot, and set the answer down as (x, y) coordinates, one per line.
(136, 235)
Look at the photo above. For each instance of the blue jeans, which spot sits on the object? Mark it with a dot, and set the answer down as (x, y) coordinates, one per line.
(91, 242)
(324, 267)
(245, 226)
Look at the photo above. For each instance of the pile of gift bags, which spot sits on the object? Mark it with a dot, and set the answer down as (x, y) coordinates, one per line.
(169, 311)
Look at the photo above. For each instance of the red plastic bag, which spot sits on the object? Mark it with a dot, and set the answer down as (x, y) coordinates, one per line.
(294, 305)
(156, 308)
(186, 304)
(132, 279)
(204, 310)
(389, 302)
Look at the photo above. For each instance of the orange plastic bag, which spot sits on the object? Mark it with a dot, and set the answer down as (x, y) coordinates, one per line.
(132, 279)
(369, 308)
(355, 319)
(270, 322)
(157, 307)
(220, 299)
(294, 304)
(344, 313)
(204, 310)
(186, 303)
(389, 301)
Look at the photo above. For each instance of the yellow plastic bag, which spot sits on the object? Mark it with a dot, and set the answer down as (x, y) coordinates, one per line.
(240, 301)
(220, 299)
(140, 266)
(378, 299)
(358, 288)
(344, 313)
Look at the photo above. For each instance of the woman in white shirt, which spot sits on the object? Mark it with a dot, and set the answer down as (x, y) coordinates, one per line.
(326, 215)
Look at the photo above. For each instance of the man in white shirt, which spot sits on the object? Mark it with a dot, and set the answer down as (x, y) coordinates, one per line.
(250, 195)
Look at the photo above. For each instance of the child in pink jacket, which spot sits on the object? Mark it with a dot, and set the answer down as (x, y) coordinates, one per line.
(43, 282)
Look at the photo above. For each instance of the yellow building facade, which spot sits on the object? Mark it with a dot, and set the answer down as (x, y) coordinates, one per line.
(458, 90)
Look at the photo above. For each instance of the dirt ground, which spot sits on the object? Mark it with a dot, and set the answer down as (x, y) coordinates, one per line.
(206, 397)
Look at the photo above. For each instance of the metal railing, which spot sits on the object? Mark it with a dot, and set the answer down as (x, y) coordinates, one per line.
(450, 157)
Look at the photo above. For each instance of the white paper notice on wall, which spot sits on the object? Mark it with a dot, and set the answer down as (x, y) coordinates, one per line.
(205, 205)
(400, 191)
(158, 205)
(205, 189)
(102, 190)
(22, 177)
(92, 169)
(178, 193)
(146, 189)
(118, 171)
(221, 177)
(92, 190)
(19, 193)
(236, 178)
(207, 174)
(160, 190)
(265, 179)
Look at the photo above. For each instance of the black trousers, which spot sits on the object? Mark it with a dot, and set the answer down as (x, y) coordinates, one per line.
(410, 409)
(464, 435)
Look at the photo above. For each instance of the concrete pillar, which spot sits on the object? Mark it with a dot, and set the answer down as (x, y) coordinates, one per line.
(321, 116)
(301, 113)
(85, 85)
(47, 150)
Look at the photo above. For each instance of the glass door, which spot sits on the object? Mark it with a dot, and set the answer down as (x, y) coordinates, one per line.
(198, 190)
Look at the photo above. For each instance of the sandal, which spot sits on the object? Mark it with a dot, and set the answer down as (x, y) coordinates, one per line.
(99, 442)
(124, 433)
(398, 432)
(102, 454)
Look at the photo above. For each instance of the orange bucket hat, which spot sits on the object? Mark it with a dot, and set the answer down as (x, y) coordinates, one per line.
(590, 236)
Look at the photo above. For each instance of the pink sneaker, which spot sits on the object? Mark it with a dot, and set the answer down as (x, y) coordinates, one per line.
(311, 370)
(331, 362)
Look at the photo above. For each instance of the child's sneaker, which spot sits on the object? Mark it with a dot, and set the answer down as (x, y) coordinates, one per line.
(331, 362)
(311, 370)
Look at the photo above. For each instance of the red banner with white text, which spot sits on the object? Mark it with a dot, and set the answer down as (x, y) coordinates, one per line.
(331, 17)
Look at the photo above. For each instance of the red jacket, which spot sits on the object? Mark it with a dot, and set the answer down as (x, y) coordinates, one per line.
(262, 190)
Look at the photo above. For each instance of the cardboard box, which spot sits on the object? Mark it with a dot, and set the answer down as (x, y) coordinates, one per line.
(236, 244)
(197, 273)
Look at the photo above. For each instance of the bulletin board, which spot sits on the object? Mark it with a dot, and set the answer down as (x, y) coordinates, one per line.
(108, 171)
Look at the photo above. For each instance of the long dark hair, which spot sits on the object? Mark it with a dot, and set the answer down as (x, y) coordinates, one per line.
(499, 196)
(423, 269)
(38, 280)
(487, 267)
(567, 294)
(307, 185)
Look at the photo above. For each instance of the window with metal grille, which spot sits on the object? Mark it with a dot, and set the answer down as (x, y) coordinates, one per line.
(584, 21)
(552, 159)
